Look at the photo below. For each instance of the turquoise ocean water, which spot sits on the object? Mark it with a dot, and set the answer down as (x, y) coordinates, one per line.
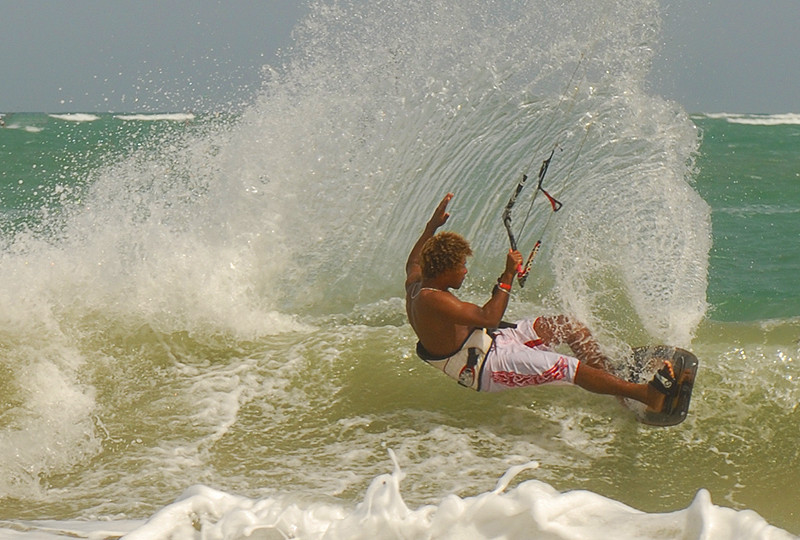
(201, 325)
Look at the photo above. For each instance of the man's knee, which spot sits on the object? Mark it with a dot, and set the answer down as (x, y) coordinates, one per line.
(557, 329)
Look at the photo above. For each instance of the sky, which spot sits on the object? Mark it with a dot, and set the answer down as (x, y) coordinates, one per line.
(736, 56)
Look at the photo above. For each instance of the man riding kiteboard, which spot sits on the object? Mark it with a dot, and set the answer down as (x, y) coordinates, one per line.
(471, 343)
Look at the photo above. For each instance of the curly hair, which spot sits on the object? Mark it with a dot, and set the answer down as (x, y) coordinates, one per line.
(443, 252)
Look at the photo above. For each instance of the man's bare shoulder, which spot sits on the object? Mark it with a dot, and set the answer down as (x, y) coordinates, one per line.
(413, 287)
(442, 304)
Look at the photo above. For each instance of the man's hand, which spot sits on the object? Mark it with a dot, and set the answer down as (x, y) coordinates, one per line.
(513, 263)
(440, 215)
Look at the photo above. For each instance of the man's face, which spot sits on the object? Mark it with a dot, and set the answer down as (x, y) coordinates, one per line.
(456, 275)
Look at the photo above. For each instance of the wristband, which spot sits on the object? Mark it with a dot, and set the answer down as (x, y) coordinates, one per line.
(498, 288)
(504, 286)
(503, 289)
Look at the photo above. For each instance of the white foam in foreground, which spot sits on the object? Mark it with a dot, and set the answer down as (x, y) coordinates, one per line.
(533, 509)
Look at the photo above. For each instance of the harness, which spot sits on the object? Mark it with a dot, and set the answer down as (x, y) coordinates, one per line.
(466, 364)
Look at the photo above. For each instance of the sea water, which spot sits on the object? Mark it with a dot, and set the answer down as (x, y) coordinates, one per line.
(202, 331)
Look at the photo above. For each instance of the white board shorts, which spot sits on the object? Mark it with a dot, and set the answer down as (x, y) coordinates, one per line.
(520, 358)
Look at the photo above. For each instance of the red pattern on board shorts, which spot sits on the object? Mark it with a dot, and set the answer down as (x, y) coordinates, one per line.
(519, 358)
(511, 379)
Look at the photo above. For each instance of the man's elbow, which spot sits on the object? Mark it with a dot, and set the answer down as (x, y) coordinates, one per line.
(491, 320)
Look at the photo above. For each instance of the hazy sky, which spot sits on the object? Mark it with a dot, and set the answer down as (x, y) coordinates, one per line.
(148, 55)
(730, 55)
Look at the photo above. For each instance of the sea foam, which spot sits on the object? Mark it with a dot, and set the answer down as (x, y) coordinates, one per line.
(791, 119)
(532, 509)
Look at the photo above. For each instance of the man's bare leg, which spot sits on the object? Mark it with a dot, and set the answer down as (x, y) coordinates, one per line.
(594, 373)
(600, 381)
(562, 329)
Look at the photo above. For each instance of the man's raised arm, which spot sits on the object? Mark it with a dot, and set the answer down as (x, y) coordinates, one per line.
(439, 218)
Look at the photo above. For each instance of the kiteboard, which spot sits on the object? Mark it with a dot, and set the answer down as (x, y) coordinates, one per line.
(646, 362)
